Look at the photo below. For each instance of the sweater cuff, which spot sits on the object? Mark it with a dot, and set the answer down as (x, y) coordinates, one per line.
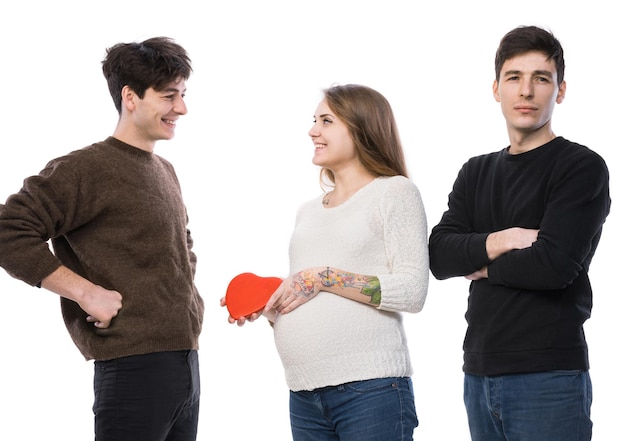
(477, 250)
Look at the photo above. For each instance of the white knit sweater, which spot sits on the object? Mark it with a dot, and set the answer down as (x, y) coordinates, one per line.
(380, 231)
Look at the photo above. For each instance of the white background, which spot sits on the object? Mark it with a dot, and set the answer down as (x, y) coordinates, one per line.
(244, 159)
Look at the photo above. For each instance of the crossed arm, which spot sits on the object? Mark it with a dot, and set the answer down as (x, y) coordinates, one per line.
(501, 242)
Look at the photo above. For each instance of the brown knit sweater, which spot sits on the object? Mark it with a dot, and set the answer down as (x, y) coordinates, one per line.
(115, 215)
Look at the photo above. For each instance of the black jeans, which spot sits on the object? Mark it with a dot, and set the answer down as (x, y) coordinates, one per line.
(151, 397)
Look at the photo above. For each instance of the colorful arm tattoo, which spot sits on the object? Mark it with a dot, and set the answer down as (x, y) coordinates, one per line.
(304, 283)
(367, 285)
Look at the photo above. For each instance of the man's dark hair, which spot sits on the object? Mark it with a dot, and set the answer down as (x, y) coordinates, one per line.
(152, 63)
(526, 39)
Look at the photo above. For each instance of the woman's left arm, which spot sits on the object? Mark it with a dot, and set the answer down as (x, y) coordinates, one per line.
(302, 286)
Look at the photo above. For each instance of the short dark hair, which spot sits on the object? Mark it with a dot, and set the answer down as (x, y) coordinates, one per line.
(525, 39)
(154, 63)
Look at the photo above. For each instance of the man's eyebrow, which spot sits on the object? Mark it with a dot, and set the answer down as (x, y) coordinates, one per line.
(536, 72)
(543, 72)
(173, 89)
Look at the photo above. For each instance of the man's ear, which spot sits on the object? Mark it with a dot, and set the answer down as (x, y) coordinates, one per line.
(128, 98)
(561, 95)
(496, 93)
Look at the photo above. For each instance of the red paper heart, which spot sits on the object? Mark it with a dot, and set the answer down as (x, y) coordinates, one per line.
(248, 293)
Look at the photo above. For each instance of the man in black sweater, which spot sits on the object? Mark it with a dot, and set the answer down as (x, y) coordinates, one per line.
(523, 224)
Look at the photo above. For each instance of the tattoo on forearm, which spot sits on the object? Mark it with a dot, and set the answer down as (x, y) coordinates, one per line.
(367, 285)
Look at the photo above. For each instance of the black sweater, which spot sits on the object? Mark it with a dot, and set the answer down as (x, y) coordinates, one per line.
(115, 215)
(528, 315)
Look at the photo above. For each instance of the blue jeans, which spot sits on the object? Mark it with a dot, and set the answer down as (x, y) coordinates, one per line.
(544, 406)
(372, 410)
(151, 397)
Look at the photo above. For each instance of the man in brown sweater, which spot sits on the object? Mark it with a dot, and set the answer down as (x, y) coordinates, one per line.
(122, 259)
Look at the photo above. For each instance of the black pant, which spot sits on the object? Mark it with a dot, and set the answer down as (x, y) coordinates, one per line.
(151, 397)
